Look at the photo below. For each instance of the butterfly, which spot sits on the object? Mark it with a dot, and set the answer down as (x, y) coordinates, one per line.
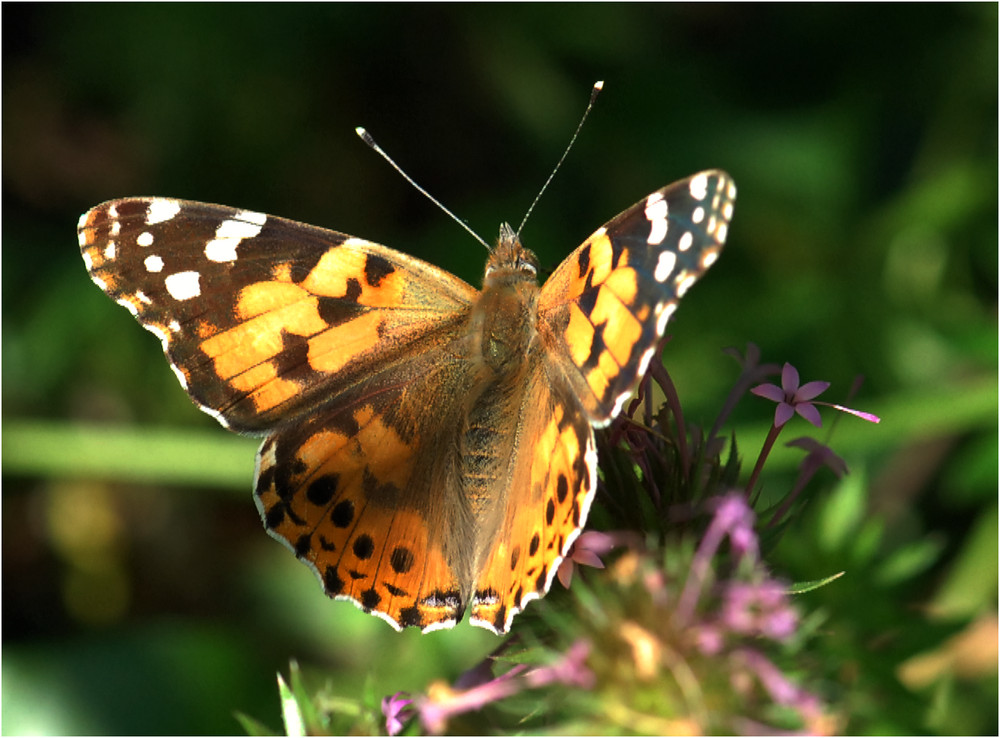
(428, 447)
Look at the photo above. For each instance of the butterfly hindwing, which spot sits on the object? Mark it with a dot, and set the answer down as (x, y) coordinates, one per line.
(362, 492)
(545, 494)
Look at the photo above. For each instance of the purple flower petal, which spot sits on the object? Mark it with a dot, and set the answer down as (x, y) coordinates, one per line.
(810, 390)
(810, 413)
(397, 711)
(782, 414)
(789, 379)
(771, 392)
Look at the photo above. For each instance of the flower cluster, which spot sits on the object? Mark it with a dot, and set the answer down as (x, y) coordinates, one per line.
(676, 625)
(676, 649)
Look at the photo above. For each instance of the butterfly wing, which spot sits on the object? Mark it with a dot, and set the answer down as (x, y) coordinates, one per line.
(600, 317)
(367, 491)
(260, 317)
(543, 497)
(350, 354)
(605, 308)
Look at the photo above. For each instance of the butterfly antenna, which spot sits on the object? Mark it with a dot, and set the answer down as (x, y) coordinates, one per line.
(367, 138)
(598, 86)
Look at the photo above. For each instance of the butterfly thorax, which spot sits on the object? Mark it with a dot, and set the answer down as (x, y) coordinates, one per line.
(504, 315)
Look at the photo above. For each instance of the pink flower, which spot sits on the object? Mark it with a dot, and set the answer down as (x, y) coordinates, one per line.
(792, 398)
(397, 710)
(587, 550)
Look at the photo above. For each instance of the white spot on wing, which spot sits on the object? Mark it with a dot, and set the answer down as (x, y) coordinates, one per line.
(153, 263)
(183, 285)
(184, 383)
(158, 332)
(81, 222)
(110, 250)
(699, 186)
(684, 283)
(698, 214)
(665, 266)
(237, 229)
(160, 210)
(656, 214)
(87, 261)
(663, 315)
(116, 228)
(229, 235)
(128, 305)
(685, 241)
(143, 298)
(144, 239)
(252, 217)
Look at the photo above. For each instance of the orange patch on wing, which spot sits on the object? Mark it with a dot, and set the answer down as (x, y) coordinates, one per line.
(320, 446)
(568, 284)
(264, 387)
(264, 297)
(204, 329)
(275, 308)
(600, 258)
(623, 283)
(384, 450)
(622, 331)
(254, 377)
(600, 377)
(334, 347)
(282, 272)
(338, 266)
(544, 447)
(579, 334)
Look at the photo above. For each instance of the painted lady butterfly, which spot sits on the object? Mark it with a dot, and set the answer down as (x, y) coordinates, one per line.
(428, 446)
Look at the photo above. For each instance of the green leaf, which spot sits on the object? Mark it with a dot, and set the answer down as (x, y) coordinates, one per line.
(803, 587)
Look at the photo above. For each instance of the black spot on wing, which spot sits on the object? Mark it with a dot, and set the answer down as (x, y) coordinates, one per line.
(342, 514)
(364, 546)
(583, 260)
(332, 582)
(376, 269)
(321, 491)
(401, 560)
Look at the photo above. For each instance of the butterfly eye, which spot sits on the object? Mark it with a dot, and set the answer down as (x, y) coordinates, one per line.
(527, 262)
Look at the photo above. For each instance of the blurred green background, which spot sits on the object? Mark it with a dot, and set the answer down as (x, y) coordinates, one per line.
(140, 594)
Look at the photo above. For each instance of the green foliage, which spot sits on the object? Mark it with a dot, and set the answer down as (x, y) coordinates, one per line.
(140, 594)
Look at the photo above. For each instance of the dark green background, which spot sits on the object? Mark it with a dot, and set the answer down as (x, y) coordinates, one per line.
(863, 140)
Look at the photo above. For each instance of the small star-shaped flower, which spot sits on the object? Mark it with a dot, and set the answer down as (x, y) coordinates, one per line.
(792, 398)
(397, 710)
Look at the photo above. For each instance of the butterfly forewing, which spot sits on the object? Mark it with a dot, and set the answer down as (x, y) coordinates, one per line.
(261, 317)
(607, 305)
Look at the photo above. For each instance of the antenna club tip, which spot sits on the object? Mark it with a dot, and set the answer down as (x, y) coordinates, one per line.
(366, 136)
(599, 85)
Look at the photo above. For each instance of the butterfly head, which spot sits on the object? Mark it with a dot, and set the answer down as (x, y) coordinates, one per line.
(510, 261)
